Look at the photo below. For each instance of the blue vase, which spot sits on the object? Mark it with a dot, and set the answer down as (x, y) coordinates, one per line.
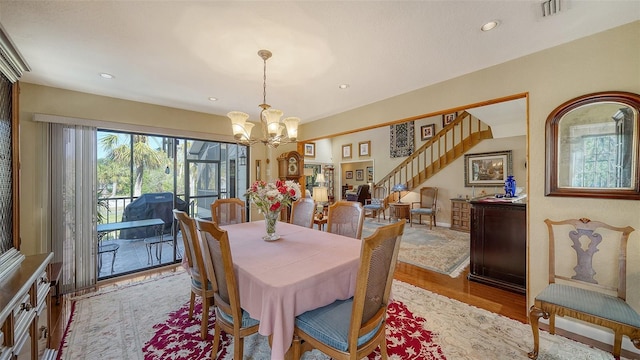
(510, 186)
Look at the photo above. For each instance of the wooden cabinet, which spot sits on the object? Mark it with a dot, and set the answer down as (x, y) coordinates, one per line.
(460, 215)
(498, 244)
(399, 211)
(329, 177)
(24, 311)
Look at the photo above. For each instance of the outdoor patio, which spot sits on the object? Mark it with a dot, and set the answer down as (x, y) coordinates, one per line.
(137, 254)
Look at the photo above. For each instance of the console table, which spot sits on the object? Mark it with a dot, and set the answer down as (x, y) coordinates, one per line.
(24, 311)
(499, 244)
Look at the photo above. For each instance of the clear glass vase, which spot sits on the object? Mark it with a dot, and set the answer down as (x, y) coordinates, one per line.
(270, 221)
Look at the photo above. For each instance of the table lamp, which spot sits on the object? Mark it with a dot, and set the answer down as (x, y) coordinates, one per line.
(399, 188)
(320, 196)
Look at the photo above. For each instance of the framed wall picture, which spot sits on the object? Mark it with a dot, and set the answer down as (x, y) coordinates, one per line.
(348, 174)
(364, 148)
(346, 151)
(487, 169)
(369, 173)
(359, 175)
(448, 118)
(427, 131)
(310, 149)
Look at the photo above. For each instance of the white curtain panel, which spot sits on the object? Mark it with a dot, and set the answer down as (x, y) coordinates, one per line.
(73, 203)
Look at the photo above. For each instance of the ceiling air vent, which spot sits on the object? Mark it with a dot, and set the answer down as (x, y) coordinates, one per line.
(550, 7)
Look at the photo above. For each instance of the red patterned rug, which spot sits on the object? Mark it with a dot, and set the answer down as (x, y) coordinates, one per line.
(179, 338)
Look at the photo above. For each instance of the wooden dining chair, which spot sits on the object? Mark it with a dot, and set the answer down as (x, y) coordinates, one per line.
(587, 287)
(346, 218)
(378, 202)
(228, 211)
(201, 284)
(230, 317)
(353, 328)
(302, 211)
(426, 206)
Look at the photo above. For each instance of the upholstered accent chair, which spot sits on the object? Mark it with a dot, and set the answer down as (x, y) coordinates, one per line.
(302, 211)
(228, 211)
(426, 205)
(346, 218)
(362, 194)
(378, 202)
(353, 328)
(219, 266)
(577, 290)
(201, 284)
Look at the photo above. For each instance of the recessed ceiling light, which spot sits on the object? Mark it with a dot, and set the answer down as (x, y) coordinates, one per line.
(213, 98)
(490, 25)
(343, 86)
(106, 76)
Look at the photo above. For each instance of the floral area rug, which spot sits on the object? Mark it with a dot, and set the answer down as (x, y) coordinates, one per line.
(148, 320)
(179, 338)
(440, 249)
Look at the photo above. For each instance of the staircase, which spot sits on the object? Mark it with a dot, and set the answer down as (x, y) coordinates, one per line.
(446, 146)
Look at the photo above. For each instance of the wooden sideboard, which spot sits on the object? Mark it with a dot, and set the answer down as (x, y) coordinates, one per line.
(499, 244)
(24, 311)
(460, 215)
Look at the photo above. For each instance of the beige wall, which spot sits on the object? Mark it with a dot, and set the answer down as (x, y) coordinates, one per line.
(605, 61)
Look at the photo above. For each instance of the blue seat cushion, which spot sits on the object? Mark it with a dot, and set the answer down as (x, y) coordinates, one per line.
(590, 302)
(373, 206)
(330, 324)
(247, 321)
(422, 211)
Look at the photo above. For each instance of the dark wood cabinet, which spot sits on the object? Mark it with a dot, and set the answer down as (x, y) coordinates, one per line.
(499, 244)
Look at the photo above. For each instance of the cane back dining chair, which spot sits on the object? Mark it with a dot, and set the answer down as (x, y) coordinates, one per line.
(200, 283)
(230, 317)
(228, 211)
(302, 211)
(346, 218)
(577, 290)
(426, 205)
(377, 204)
(353, 328)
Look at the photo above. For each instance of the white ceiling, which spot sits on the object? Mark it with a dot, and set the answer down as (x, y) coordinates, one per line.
(180, 53)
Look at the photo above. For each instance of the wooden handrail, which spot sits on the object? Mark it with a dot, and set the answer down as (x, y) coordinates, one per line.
(434, 155)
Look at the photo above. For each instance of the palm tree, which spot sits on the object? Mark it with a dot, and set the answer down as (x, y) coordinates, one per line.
(144, 156)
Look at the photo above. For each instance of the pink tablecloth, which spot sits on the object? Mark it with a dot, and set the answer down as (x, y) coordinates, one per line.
(303, 270)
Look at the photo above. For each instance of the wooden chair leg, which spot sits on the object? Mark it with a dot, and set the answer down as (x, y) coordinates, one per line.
(295, 346)
(617, 344)
(192, 302)
(383, 349)
(205, 318)
(216, 342)
(534, 317)
(238, 346)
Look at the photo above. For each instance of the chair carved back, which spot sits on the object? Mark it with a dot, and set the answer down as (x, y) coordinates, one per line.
(219, 266)
(302, 211)
(379, 196)
(228, 211)
(584, 236)
(346, 218)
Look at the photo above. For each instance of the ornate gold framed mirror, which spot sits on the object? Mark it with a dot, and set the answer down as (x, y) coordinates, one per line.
(592, 147)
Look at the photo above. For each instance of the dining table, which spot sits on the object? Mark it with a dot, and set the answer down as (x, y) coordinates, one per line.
(303, 270)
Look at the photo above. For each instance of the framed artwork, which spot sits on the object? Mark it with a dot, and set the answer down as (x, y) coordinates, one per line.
(364, 148)
(359, 175)
(369, 173)
(427, 131)
(487, 169)
(448, 118)
(348, 174)
(310, 149)
(346, 151)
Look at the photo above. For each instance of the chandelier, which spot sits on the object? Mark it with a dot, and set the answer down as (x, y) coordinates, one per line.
(272, 127)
